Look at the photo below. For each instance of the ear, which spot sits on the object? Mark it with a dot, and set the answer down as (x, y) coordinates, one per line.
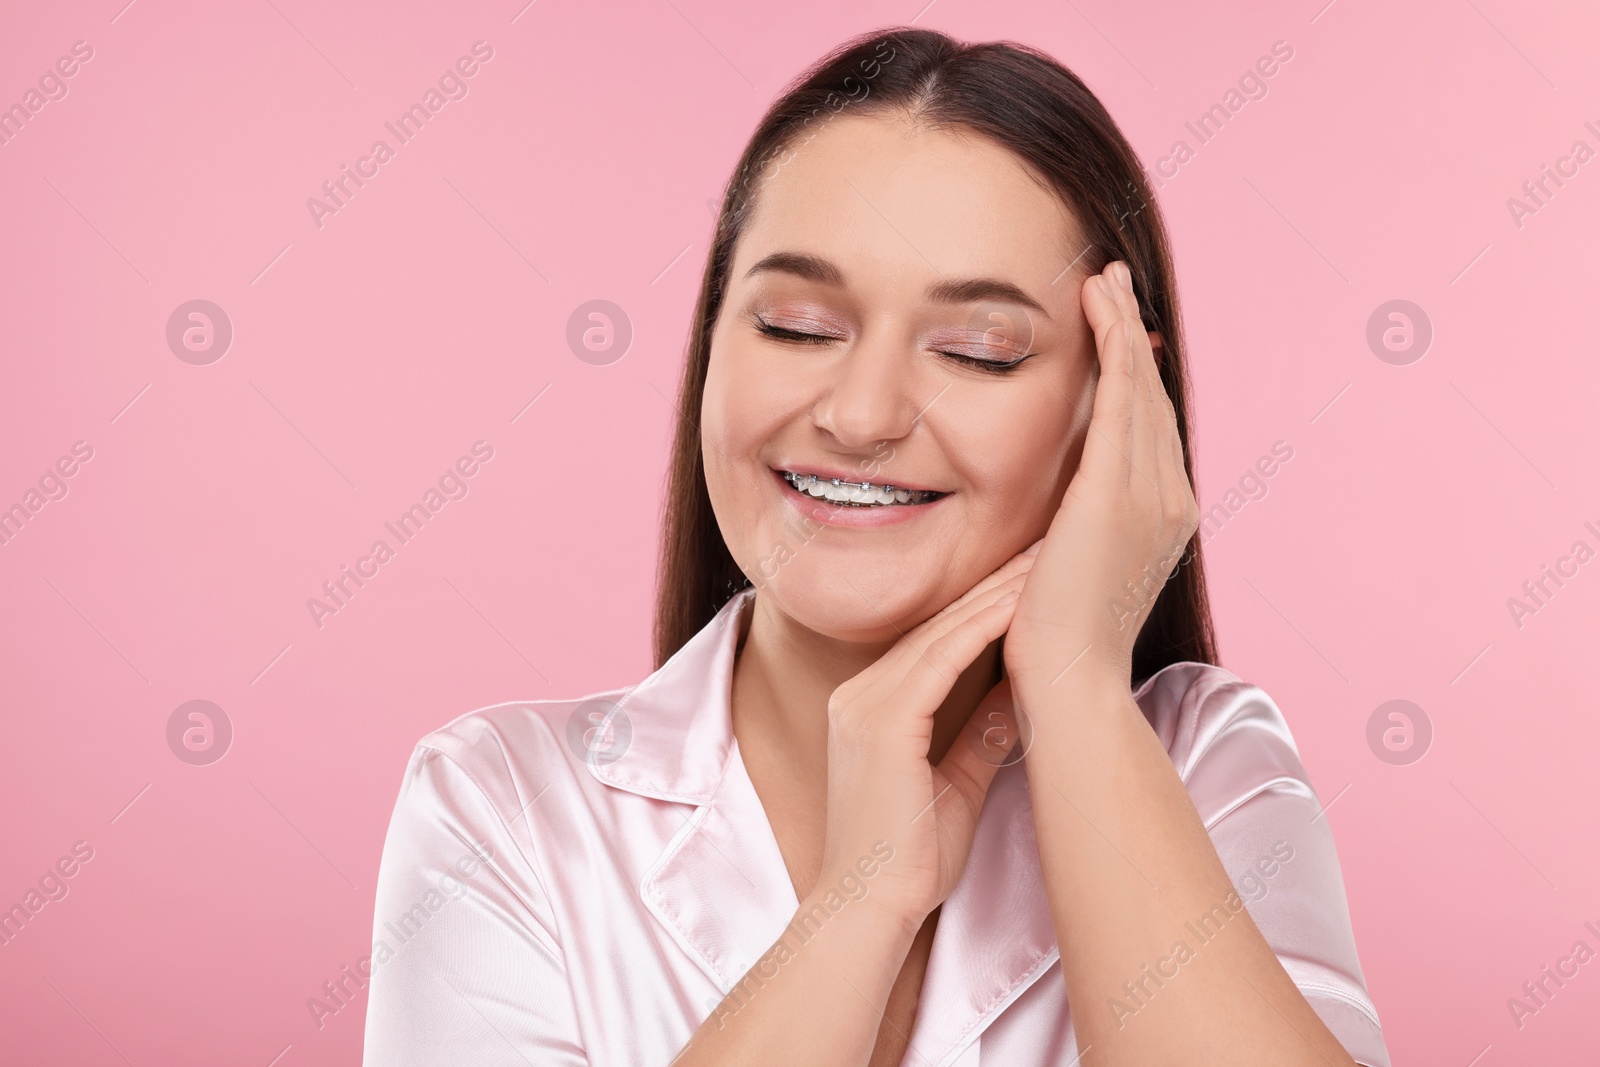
(1157, 349)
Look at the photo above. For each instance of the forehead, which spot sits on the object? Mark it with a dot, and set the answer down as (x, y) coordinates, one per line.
(884, 196)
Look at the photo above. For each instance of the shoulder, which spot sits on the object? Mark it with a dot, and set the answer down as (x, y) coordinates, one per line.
(1226, 737)
(508, 749)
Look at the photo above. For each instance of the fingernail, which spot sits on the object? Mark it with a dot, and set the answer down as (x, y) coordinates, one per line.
(1033, 549)
(1124, 276)
(1008, 598)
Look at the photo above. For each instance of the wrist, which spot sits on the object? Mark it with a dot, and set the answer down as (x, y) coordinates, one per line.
(873, 925)
(873, 890)
(1087, 689)
(1070, 665)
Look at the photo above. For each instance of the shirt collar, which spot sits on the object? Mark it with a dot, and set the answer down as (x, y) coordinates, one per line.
(679, 721)
(721, 888)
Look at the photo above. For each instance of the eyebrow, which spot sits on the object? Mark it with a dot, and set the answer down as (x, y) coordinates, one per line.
(949, 291)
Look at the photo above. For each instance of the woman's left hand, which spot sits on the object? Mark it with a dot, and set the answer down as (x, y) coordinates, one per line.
(1124, 853)
(1126, 518)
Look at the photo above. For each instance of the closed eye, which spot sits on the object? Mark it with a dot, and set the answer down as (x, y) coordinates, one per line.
(781, 334)
(992, 366)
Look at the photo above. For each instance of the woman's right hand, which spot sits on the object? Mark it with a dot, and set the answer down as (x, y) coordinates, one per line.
(883, 791)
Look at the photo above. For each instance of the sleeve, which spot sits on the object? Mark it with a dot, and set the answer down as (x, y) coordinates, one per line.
(1269, 829)
(466, 966)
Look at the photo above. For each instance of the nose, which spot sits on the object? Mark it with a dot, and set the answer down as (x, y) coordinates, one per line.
(868, 399)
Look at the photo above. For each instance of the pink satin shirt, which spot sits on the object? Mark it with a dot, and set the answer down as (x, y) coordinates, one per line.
(564, 883)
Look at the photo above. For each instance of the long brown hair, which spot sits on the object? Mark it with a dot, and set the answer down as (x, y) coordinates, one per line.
(1020, 98)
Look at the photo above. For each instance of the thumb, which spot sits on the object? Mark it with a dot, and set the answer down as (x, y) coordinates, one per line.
(986, 743)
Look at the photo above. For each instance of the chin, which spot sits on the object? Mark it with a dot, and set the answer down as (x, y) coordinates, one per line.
(861, 596)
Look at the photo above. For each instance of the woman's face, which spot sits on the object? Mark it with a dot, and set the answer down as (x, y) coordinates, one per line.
(916, 264)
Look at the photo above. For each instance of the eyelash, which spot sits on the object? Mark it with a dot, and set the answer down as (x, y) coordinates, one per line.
(778, 333)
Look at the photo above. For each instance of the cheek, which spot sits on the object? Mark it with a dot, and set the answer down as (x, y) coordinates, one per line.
(743, 409)
(1019, 460)
(733, 399)
(720, 429)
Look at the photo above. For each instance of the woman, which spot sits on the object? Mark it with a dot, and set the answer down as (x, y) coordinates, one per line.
(936, 746)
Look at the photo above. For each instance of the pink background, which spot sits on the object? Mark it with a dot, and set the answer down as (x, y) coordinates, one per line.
(371, 352)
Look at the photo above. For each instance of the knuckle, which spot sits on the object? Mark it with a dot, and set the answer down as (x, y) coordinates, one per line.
(840, 706)
(939, 656)
(853, 733)
(857, 729)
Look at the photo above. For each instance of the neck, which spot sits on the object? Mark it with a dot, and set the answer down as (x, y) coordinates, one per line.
(785, 674)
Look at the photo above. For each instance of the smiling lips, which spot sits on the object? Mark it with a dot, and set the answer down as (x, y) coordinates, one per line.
(857, 494)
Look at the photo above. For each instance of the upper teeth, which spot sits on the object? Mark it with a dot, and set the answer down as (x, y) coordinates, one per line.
(856, 493)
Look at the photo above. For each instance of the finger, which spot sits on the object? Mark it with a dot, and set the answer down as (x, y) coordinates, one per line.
(986, 591)
(1146, 368)
(1110, 422)
(1155, 450)
(1182, 490)
(911, 650)
(983, 746)
(891, 669)
(1174, 437)
(1166, 449)
(1159, 445)
(1147, 450)
(930, 678)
